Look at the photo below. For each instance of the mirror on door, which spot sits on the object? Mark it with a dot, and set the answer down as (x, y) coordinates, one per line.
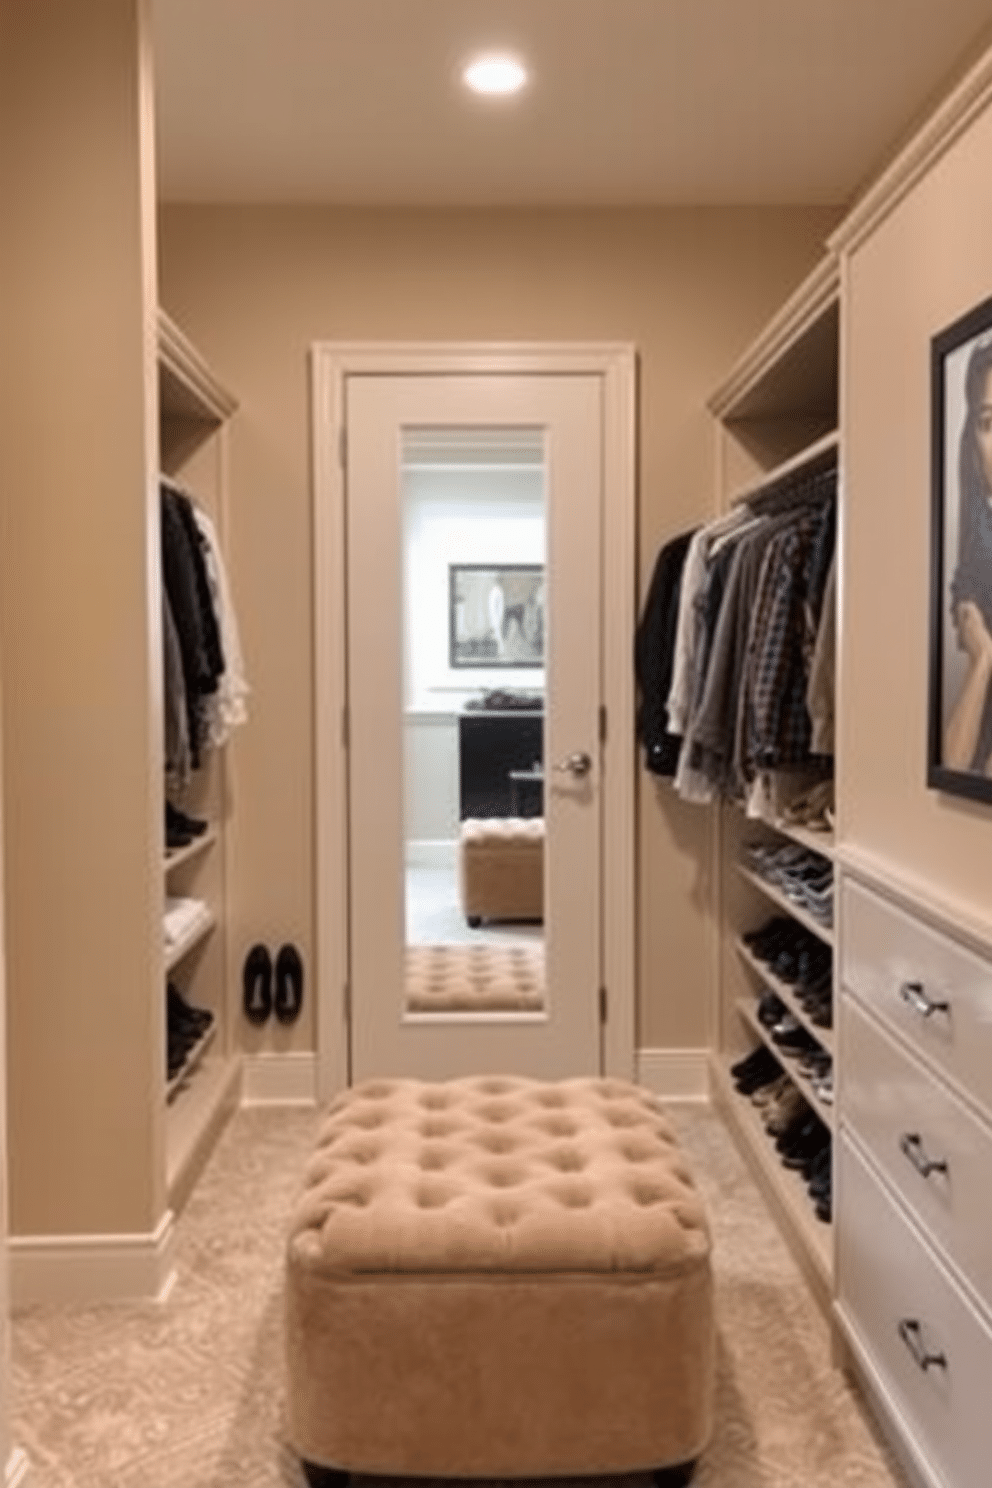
(474, 620)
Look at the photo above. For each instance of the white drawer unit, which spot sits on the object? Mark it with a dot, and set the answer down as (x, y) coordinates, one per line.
(930, 1350)
(932, 1147)
(935, 992)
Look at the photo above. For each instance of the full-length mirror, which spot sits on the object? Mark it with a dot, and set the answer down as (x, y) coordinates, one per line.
(474, 619)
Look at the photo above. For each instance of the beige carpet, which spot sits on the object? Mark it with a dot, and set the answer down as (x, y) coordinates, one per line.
(475, 978)
(188, 1394)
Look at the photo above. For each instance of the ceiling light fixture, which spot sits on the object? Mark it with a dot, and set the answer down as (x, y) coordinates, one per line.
(495, 75)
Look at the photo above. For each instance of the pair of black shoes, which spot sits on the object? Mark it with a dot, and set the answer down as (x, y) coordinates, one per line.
(180, 829)
(758, 1068)
(819, 1183)
(272, 989)
(185, 1026)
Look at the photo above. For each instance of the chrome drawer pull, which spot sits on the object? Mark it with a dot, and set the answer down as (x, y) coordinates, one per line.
(909, 1332)
(911, 1147)
(914, 995)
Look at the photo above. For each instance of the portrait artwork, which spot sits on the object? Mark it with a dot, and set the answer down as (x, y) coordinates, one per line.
(496, 614)
(960, 744)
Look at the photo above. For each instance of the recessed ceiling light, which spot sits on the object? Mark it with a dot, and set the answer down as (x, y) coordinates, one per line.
(494, 74)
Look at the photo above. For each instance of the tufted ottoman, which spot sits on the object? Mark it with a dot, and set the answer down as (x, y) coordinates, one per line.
(502, 868)
(498, 1277)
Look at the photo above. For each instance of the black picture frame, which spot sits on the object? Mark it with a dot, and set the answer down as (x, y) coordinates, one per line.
(959, 756)
(496, 615)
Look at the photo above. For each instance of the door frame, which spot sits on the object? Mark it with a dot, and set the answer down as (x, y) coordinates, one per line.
(331, 363)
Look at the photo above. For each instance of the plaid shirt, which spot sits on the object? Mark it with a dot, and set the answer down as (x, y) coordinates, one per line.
(773, 720)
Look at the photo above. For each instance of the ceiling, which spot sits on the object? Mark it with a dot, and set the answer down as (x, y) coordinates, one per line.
(631, 102)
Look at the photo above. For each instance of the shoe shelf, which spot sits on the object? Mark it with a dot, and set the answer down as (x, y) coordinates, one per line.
(193, 937)
(790, 1065)
(818, 842)
(785, 993)
(208, 1096)
(182, 855)
(177, 1081)
(786, 905)
(810, 1238)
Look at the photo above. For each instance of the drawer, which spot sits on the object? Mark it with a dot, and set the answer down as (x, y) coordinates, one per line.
(937, 994)
(910, 1123)
(932, 1352)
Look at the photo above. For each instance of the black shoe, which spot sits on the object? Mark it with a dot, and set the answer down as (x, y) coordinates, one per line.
(182, 1015)
(808, 1144)
(178, 821)
(758, 1069)
(770, 1009)
(256, 981)
(288, 997)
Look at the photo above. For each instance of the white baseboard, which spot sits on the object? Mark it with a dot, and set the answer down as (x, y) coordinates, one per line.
(17, 1468)
(675, 1074)
(279, 1079)
(92, 1268)
(428, 854)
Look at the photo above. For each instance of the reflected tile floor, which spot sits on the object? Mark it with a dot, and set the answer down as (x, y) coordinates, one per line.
(434, 915)
(188, 1393)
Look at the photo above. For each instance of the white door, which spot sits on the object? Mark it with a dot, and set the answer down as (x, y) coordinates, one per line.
(563, 415)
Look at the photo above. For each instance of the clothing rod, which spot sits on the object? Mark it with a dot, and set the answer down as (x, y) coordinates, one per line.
(818, 456)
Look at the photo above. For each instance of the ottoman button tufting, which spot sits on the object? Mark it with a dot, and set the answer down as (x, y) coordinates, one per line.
(565, 1252)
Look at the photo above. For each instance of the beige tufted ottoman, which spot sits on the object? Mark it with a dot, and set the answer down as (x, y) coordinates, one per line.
(498, 1277)
(502, 868)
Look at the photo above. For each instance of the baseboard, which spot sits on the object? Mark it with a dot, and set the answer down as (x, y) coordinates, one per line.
(17, 1468)
(279, 1079)
(675, 1074)
(428, 854)
(92, 1268)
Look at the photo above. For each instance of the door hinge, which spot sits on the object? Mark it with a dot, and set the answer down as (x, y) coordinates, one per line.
(346, 990)
(602, 1004)
(343, 447)
(602, 723)
(345, 728)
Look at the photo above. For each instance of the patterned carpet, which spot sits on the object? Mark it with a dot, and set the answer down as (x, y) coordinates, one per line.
(475, 978)
(188, 1394)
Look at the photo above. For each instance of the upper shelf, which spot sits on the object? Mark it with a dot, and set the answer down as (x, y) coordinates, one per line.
(192, 402)
(782, 395)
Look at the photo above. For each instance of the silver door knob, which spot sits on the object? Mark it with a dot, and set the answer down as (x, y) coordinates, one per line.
(578, 764)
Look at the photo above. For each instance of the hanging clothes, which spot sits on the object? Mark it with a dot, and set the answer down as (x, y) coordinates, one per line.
(226, 708)
(199, 617)
(754, 614)
(654, 657)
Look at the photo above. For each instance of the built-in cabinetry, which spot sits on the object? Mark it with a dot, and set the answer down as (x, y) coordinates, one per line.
(914, 1231)
(194, 409)
(777, 420)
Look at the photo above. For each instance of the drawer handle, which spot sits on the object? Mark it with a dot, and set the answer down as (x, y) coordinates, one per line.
(910, 1333)
(911, 1147)
(914, 995)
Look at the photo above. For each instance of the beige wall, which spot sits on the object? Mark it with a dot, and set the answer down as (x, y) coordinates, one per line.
(254, 288)
(80, 616)
(922, 268)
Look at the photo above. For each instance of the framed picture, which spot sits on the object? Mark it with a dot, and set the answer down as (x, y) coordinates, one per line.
(960, 742)
(496, 614)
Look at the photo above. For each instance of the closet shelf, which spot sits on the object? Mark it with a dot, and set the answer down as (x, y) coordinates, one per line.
(824, 1036)
(822, 453)
(197, 933)
(190, 1063)
(194, 1119)
(787, 906)
(789, 1065)
(811, 1239)
(818, 842)
(193, 850)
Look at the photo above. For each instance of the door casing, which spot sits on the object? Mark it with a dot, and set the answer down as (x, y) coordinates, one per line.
(331, 364)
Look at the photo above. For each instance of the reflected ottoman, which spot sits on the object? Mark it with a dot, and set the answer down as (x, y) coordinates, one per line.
(498, 1277)
(501, 865)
